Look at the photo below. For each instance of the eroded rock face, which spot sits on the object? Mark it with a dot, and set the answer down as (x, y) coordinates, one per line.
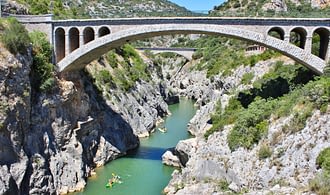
(288, 170)
(51, 142)
(12, 7)
(15, 110)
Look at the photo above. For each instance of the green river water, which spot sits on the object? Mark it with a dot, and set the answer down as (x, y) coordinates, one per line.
(142, 171)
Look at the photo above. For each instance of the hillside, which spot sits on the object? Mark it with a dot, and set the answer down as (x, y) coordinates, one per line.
(273, 8)
(101, 9)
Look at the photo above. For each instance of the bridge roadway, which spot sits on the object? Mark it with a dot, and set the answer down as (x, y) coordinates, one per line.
(78, 42)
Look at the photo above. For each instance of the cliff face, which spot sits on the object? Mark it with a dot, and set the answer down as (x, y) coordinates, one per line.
(214, 168)
(51, 142)
(15, 111)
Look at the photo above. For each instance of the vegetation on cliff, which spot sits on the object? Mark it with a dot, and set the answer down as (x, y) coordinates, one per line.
(278, 94)
(43, 70)
(321, 183)
(123, 67)
(14, 36)
(102, 9)
(277, 8)
(16, 39)
(221, 55)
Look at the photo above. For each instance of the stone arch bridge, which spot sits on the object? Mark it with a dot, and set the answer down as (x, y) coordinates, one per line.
(78, 42)
(185, 52)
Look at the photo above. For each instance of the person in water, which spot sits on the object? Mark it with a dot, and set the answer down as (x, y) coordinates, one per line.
(115, 178)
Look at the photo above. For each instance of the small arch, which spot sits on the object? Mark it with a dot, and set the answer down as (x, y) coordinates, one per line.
(89, 35)
(276, 32)
(104, 31)
(320, 42)
(59, 44)
(73, 39)
(298, 37)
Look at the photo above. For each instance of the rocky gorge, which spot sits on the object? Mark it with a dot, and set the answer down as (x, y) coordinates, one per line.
(53, 141)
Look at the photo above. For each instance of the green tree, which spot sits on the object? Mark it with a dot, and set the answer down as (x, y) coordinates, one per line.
(43, 70)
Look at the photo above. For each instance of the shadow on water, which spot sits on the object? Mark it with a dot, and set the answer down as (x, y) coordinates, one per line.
(146, 152)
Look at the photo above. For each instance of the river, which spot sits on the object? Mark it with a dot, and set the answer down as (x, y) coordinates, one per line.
(142, 171)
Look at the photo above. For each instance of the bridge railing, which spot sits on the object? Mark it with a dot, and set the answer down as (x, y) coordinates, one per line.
(33, 18)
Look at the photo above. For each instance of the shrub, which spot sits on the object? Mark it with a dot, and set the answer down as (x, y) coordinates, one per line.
(247, 78)
(43, 69)
(15, 37)
(265, 151)
(326, 71)
(223, 184)
(112, 59)
(323, 159)
(321, 183)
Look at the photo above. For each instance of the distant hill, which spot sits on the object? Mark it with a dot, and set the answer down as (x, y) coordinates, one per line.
(103, 8)
(273, 8)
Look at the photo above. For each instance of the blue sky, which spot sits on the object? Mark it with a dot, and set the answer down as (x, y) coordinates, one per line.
(198, 4)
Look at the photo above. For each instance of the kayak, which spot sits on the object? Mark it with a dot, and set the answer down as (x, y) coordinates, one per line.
(115, 179)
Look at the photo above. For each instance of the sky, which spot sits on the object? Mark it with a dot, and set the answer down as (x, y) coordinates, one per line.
(198, 5)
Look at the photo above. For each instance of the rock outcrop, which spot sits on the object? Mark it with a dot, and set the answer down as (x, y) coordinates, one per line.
(288, 170)
(51, 142)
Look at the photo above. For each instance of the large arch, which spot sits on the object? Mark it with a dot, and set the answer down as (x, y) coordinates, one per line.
(74, 39)
(59, 44)
(89, 52)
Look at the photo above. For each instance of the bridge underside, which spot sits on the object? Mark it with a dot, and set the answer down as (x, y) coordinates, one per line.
(92, 50)
(184, 53)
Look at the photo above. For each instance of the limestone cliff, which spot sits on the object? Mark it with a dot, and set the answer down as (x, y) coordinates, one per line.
(51, 142)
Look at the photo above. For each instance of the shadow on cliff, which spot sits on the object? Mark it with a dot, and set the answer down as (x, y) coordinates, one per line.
(55, 129)
(148, 153)
(110, 125)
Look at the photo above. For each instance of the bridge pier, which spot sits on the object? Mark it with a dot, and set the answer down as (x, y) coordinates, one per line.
(67, 43)
(327, 57)
(308, 44)
(287, 38)
(81, 38)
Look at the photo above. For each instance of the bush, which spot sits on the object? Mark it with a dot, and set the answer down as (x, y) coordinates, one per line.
(323, 159)
(251, 124)
(15, 37)
(265, 151)
(43, 69)
(247, 78)
(326, 71)
(112, 59)
(321, 183)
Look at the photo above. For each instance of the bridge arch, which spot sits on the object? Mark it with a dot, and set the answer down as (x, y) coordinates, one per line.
(321, 36)
(104, 30)
(73, 39)
(85, 54)
(59, 44)
(276, 32)
(88, 34)
(298, 36)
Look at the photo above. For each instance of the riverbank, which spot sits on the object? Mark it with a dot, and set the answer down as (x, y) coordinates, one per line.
(142, 171)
